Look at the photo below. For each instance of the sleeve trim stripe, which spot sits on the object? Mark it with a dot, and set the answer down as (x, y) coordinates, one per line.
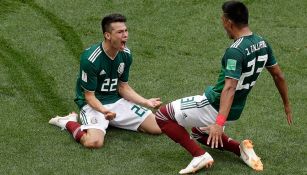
(232, 77)
(87, 89)
(272, 65)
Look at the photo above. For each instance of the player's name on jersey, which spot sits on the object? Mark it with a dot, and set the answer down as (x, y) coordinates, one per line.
(255, 47)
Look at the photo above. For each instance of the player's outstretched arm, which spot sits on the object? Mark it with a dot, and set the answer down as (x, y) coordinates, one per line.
(129, 94)
(216, 130)
(282, 87)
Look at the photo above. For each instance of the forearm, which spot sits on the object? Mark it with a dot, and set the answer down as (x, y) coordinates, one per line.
(216, 130)
(281, 85)
(129, 94)
(226, 100)
(95, 103)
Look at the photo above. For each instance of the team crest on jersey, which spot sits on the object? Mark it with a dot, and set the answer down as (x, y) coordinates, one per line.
(121, 68)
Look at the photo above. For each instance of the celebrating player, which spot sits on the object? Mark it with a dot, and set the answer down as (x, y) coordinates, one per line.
(103, 93)
(207, 114)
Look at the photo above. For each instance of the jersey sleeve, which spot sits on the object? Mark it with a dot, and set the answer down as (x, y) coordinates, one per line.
(128, 61)
(232, 63)
(271, 58)
(88, 74)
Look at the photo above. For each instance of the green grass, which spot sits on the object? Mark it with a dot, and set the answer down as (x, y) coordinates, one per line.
(177, 46)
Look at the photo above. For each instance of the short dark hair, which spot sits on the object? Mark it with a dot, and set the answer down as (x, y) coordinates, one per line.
(236, 11)
(107, 20)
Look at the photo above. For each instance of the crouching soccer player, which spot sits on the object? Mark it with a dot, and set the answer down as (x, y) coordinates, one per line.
(103, 93)
(207, 114)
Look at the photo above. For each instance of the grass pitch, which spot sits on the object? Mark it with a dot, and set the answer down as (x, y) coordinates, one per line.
(177, 47)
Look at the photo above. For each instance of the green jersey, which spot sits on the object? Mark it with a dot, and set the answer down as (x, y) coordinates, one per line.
(243, 60)
(100, 74)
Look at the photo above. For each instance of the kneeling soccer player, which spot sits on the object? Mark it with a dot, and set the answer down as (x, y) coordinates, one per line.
(207, 114)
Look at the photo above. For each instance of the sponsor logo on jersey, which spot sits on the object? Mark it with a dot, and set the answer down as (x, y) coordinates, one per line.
(102, 72)
(121, 68)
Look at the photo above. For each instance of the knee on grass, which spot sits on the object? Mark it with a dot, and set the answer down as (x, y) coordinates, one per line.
(93, 143)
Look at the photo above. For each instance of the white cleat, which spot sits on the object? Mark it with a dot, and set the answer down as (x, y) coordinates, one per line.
(197, 163)
(249, 156)
(62, 121)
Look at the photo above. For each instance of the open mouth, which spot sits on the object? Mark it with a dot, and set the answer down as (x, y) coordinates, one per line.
(124, 43)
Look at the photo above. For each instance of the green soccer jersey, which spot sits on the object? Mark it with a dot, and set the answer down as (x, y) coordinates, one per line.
(243, 60)
(100, 74)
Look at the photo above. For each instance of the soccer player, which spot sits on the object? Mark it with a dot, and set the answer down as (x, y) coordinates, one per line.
(103, 93)
(207, 114)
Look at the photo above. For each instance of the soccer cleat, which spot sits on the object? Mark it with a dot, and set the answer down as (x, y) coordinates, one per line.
(249, 156)
(62, 121)
(197, 163)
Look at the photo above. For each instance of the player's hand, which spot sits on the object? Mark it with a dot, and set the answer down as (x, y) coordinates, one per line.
(289, 115)
(215, 132)
(109, 115)
(154, 103)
